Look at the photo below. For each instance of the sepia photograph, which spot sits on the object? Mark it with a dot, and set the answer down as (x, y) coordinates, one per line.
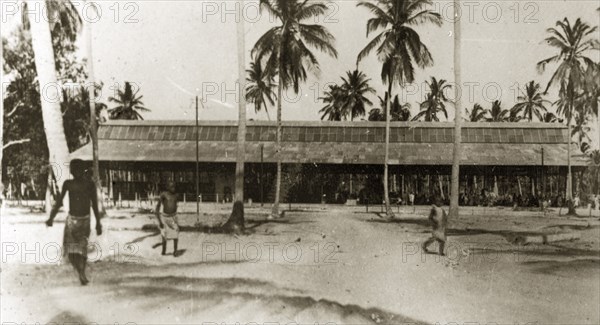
(300, 162)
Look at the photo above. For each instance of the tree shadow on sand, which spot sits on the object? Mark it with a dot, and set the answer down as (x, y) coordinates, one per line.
(68, 317)
(566, 268)
(250, 225)
(267, 300)
(511, 236)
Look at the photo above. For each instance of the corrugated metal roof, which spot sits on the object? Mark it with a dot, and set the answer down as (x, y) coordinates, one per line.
(414, 143)
(360, 132)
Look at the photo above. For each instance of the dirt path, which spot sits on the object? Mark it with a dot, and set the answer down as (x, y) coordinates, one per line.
(342, 267)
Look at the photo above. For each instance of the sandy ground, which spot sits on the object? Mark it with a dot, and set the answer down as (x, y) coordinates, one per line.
(316, 265)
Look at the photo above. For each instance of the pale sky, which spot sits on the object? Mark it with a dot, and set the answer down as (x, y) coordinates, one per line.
(176, 49)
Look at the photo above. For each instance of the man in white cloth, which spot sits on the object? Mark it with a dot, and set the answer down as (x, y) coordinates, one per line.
(167, 220)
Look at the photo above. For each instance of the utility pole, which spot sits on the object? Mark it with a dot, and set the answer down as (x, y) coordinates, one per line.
(197, 169)
(262, 157)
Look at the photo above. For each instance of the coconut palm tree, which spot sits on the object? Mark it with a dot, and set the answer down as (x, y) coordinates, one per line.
(399, 112)
(347, 99)
(333, 110)
(477, 114)
(530, 102)
(550, 117)
(592, 93)
(260, 88)
(355, 87)
(399, 48)
(62, 19)
(285, 49)
(594, 168)
(457, 150)
(435, 102)
(128, 104)
(572, 43)
(580, 129)
(496, 113)
(93, 124)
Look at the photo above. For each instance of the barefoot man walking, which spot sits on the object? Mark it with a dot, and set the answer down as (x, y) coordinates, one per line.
(439, 220)
(167, 220)
(82, 195)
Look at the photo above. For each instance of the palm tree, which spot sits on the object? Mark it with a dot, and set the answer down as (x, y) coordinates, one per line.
(435, 102)
(594, 168)
(347, 99)
(333, 110)
(580, 129)
(398, 48)
(477, 114)
(236, 221)
(593, 93)
(285, 50)
(42, 29)
(572, 42)
(260, 86)
(91, 99)
(550, 117)
(497, 114)
(457, 150)
(129, 103)
(399, 112)
(530, 102)
(355, 86)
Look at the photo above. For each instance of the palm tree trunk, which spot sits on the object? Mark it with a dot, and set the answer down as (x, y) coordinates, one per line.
(241, 136)
(571, 208)
(386, 193)
(267, 111)
(236, 222)
(456, 154)
(275, 209)
(93, 121)
(51, 112)
(1, 140)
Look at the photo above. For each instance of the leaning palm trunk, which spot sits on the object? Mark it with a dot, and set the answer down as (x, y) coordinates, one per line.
(275, 210)
(455, 182)
(51, 112)
(386, 193)
(267, 110)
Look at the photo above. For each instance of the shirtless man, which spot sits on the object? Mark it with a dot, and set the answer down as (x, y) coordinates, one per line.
(169, 227)
(82, 196)
(439, 220)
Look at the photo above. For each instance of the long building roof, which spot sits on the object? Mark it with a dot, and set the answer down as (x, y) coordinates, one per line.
(411, 143)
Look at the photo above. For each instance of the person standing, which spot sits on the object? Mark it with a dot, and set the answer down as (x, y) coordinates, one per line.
(167, 220)
(82, 196)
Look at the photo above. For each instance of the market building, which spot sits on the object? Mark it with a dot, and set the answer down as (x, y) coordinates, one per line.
(333, 162)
